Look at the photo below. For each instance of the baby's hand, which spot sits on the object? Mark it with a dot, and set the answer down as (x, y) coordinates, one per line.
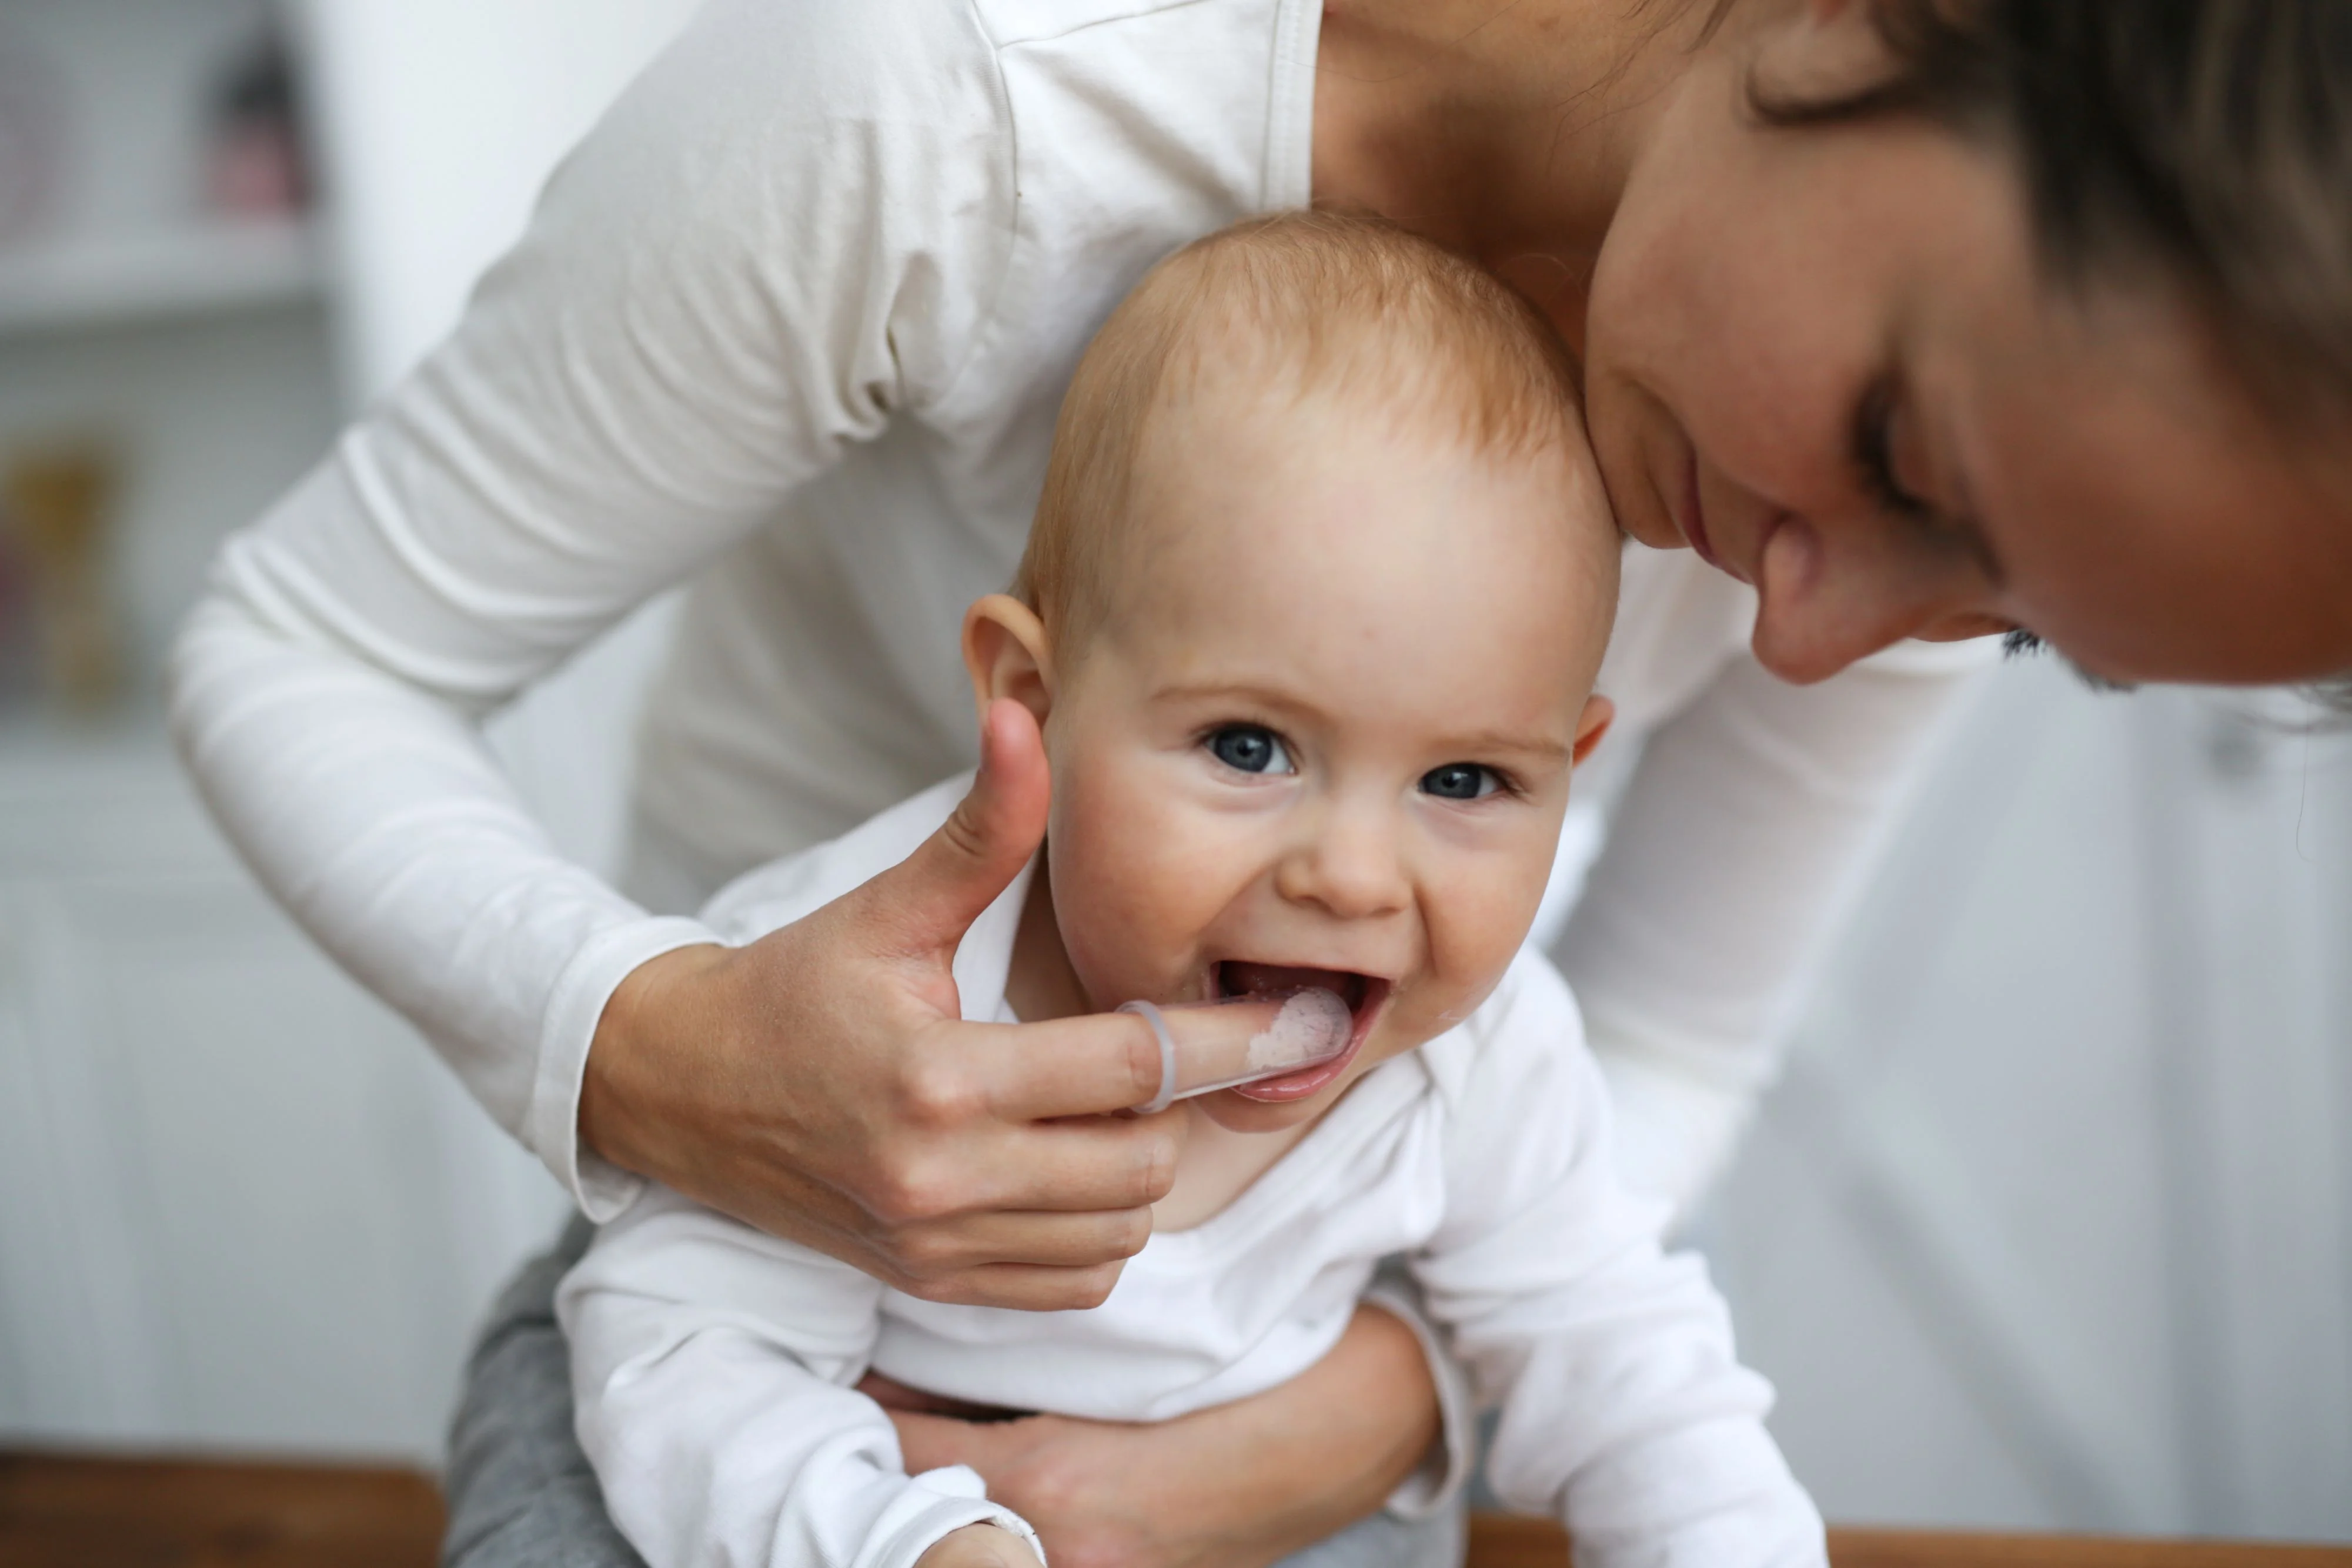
(978, 1546)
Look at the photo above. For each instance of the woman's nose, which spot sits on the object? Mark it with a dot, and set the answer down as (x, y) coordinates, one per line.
(1832, 595)
(1348, 865)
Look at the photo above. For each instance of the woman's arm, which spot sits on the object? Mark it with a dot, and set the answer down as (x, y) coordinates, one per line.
(1623, 1411)
(1239, 1486)
(696, 323)
(1746, 829)
(709, 308)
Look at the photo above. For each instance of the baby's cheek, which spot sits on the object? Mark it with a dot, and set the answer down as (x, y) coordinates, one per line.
(1472, 940)
(1129, 888)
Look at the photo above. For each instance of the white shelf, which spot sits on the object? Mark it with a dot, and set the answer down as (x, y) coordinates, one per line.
(197, 269)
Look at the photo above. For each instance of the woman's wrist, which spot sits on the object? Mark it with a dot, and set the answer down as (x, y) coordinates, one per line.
(1239, 1486)
(626, 1116)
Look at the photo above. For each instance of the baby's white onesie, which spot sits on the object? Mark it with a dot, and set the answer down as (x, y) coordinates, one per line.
(714, 1366)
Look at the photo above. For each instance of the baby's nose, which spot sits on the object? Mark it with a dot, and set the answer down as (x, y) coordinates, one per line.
(1349, 867)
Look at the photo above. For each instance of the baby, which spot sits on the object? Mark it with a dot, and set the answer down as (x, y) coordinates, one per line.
(1310, 617)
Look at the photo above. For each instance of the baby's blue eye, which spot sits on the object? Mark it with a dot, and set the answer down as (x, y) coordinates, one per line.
(1250, 748)
(1460, 781)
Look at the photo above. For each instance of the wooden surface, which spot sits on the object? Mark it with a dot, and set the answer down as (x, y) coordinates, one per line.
(1892, 1549)
(117, 1514)
(69, 1513)
(1500, 1542)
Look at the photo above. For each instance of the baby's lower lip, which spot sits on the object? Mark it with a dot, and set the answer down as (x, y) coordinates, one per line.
(1298, 1085)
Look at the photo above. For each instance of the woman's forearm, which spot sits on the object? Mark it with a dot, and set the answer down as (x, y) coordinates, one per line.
(1749, 823)
(1239, 1486)
(369, 807)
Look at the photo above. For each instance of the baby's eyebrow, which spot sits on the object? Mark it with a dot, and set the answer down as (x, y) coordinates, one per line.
(1232, 690)
(1493, 741)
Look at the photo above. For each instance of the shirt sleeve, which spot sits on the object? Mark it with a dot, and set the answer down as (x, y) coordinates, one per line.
(1746, 828)
(1624, 1411)
(712, 1376)
(781, 238)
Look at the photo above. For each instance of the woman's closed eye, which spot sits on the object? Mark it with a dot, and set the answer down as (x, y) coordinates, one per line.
(1462, 781)
(1873, 454)
(1874, 440)
(1250, 748)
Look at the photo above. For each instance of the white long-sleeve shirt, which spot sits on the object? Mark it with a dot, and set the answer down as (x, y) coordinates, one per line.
(792, 324)
(713, 1365)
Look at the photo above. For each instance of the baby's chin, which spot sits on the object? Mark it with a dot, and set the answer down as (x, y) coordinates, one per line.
(1237, 1113)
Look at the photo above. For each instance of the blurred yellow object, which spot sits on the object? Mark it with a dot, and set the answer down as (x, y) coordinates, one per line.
(59, 503)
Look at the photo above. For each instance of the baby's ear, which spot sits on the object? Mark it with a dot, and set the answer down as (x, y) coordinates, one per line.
(1599, 714)
(1007, 654)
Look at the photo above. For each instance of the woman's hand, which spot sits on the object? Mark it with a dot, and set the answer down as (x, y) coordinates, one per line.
(822, 1085)
(1240, 1485)
(978, 1546)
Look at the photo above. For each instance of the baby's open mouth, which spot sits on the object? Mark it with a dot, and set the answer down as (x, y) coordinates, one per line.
(1364, 993)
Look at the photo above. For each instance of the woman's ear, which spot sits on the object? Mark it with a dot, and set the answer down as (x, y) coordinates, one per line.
(1007, 654)
(1599, 714)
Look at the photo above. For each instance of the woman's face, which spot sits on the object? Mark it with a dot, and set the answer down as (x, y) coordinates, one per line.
(1825, 359)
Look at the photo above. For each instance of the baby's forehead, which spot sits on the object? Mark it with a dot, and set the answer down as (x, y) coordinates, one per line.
(1315, 400)
(1371, 521)
(1323, 458)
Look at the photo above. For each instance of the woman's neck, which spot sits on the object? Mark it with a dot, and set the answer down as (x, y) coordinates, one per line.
(1502, 129)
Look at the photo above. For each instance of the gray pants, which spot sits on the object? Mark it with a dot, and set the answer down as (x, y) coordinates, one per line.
(522, 1494)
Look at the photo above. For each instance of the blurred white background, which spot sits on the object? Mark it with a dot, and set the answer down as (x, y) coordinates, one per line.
(2049, 1224)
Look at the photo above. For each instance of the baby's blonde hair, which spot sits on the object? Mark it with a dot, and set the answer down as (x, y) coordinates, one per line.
(1304, 304)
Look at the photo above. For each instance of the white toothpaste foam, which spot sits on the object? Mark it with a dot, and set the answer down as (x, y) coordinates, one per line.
(1311, 1026)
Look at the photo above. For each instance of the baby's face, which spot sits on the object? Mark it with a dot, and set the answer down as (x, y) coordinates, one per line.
(1323, 734)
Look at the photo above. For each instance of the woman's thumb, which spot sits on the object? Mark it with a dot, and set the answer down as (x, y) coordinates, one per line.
(933, 897)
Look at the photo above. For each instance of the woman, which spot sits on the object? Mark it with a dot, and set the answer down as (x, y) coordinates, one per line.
(1912, 320)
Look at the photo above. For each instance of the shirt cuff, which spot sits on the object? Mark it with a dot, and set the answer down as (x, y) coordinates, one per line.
(936, 1504)
(1453, 1456)
(552, 1124)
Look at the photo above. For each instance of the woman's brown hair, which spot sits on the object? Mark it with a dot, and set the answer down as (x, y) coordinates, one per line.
(2203, 144)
